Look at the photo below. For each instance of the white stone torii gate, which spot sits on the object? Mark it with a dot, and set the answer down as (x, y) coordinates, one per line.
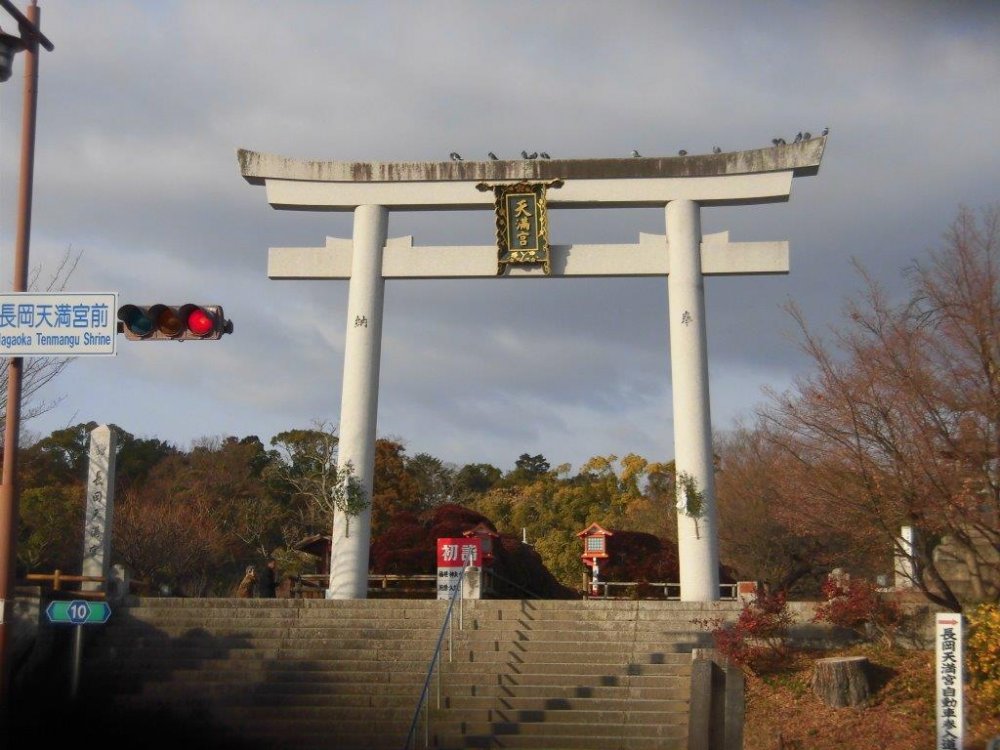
(682, 184)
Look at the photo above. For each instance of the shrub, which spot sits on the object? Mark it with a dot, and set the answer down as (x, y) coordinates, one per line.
(757, 640)
(983, 654)
(857, 604)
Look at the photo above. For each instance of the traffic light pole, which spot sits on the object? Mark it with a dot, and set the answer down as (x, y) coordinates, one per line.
(15, 368)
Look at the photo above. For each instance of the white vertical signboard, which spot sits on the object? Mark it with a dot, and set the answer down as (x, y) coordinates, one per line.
(948, 660)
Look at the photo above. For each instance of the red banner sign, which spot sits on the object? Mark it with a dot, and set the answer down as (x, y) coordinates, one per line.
(459, 552)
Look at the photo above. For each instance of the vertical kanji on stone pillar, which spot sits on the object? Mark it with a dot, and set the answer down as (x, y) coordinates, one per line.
(100, 506)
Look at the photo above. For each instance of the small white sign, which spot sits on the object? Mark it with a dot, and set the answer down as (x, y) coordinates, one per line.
(57, 324)
(948, 652)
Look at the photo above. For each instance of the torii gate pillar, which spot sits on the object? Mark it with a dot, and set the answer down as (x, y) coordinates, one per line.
(359, 400)
(697, 540)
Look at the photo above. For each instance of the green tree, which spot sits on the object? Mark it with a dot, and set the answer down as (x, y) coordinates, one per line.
(50, 535)
(551, 508)
(528, 468)
(307, 470)
(475, 479)
(435, 481)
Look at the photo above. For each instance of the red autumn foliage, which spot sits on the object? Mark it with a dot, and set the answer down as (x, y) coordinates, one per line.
(857, 604)
(637, 556)
(757, 640)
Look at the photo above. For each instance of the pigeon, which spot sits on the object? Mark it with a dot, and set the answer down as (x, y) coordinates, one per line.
(826, 131)
(778, 141)
(716, 150)
(493, 156)
(635, 154)
(544, 155)
(798, 137)
(455, 156)
(532, 155)
(524, 155)
(682, 152)
(807, 136)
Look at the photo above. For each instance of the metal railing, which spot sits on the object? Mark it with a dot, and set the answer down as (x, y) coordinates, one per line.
(422, 702)
(314, 584)
(670, 591)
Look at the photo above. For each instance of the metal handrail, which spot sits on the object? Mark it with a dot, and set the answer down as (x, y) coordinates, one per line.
(435, 658)
(671, 591)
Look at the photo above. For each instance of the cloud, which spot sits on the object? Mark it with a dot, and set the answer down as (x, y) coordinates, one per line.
(142, 107)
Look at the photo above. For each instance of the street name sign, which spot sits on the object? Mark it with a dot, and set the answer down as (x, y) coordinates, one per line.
(78, 612)
(57, 324)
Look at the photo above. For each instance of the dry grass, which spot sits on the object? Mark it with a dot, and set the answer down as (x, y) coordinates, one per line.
(783, 712)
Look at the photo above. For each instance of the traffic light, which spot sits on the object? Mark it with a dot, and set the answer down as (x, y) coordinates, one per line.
(166, 323)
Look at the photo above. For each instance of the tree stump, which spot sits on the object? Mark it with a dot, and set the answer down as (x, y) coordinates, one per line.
(841, 681)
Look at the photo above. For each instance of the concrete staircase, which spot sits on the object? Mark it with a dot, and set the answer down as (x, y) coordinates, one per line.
(347, 674)
(597, 674)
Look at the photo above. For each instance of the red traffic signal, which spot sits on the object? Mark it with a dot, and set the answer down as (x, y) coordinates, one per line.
(166, 323)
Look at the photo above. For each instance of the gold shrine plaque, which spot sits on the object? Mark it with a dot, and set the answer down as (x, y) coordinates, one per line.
(522, 225)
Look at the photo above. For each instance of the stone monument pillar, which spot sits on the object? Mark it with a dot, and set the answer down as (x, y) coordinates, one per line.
(100, 506)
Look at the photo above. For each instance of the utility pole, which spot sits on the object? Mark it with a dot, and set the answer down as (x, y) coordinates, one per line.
(30, 37)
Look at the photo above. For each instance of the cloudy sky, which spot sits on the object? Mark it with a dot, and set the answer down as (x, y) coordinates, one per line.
(143, 105)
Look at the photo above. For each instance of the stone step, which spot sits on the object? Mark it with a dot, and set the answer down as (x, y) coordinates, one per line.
(491, 609)
(619, 721)
(518, 660)
(363, 729)
(277, 649)
(615, 726)
(213, 621)
(668, 689)
(256, 661)
(585, 630)
(448, 740)
(266, 701)
(180, 682)
(650, 709)
(335, 681)
(583, 679)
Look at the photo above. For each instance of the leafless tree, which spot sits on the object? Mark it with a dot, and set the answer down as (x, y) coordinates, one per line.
(899, 424)
(39, 371)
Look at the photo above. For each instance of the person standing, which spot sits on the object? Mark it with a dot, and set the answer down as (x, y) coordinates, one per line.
(246, 588)
(267, 584)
